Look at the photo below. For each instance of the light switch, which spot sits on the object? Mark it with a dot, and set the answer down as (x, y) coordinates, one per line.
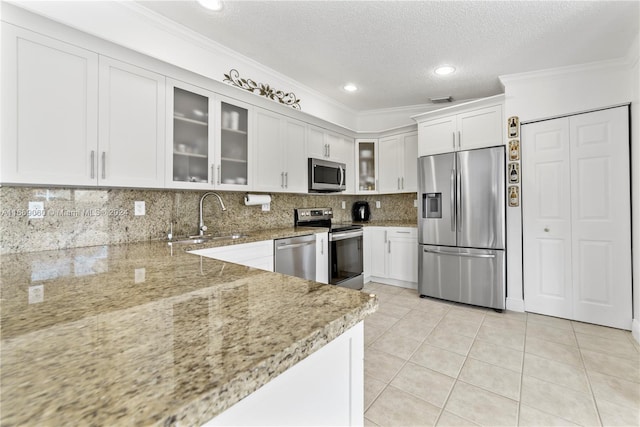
(139, 275)
(36, 294)
(344, 204)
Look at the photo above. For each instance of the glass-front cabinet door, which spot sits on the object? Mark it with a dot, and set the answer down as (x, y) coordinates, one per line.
(234, 148)
(366, 166)
(191, 136)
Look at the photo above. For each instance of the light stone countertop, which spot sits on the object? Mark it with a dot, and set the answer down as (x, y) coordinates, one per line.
(146, 334)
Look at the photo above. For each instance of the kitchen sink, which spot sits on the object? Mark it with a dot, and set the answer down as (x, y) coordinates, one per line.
(195, 240)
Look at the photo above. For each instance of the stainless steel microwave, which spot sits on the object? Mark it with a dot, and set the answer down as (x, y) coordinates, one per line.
(326, 176)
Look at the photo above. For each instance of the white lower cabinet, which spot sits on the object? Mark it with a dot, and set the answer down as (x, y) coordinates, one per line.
(256, 254)
(391, 255)
(322, 257)
(324, 389)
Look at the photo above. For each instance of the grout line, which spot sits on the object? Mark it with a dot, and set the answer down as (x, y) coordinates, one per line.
(586, 374)
(524, 354)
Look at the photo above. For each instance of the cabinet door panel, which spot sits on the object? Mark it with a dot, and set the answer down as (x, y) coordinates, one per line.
(316, 145)
(410, 163)
(480, 128)
(132, 126)
(270, 164)
(390, 174)
(50, 110)
(295, 152)
(190, 136)
(437, 136)
(378, 242)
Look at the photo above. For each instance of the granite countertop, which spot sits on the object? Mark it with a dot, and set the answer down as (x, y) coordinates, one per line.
(146, 334)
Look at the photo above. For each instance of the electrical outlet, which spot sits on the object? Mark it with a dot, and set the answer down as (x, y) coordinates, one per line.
(377, 204)
(266, 207)
(36, 294)
(344, 204)
(139, 208)
(36, 210)
(139, 275)
(415, 203)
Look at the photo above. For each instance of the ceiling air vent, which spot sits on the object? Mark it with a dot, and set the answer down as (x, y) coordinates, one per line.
(441, 100)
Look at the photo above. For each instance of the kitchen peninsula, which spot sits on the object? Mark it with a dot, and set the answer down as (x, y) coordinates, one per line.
(147, 334)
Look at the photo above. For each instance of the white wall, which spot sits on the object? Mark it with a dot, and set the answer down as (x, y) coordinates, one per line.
(550, 93)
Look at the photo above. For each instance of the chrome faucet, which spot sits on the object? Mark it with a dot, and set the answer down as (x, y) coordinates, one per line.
(201, 227)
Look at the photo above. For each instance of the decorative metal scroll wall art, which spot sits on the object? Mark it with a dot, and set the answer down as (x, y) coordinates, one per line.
(262, 89)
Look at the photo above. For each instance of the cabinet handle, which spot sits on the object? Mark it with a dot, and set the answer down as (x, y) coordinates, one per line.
(286, 180)
(219, 175)
(212, 174)
(329, 147)
(281, 179)
(321, 246)
(104, 165)
(389, 246)
(403, 232)
(398, 183)
(385, 236)
(459, 139)
(453, 134)
(93, 164)
(402, 180)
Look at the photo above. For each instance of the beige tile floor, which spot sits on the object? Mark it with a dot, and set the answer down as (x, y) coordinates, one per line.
(432, 363)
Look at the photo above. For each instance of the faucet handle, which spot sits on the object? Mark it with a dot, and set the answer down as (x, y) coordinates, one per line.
(203, 228)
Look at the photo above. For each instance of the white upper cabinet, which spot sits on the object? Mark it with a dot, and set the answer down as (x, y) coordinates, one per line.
(234, 147)
(50, 111)
(324, 144)
(398, 163)
(366, 166)
(281, 150)
(132, 126)
(474, 125)
(190, 135)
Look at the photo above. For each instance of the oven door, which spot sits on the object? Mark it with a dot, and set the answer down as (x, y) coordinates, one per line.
(345, 259)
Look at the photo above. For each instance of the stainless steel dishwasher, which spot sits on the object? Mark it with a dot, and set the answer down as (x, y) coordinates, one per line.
(296, 256)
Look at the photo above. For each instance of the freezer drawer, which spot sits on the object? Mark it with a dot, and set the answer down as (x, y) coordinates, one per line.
(471, 276)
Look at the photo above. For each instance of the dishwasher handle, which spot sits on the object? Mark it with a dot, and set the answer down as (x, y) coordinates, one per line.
(294, 245)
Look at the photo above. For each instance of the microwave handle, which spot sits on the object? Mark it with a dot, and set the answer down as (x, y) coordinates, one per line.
(341, 176)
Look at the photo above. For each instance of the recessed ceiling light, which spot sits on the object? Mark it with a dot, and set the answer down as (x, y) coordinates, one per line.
(215, 5)
(350, 87)
(444, 70)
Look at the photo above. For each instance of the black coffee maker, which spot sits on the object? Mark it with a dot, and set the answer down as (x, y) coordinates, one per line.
(360, 212)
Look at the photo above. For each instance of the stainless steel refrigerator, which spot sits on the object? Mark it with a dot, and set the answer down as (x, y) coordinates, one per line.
(461, 227)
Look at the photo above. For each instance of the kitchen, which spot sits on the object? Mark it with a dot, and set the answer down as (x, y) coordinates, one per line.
(175, 208)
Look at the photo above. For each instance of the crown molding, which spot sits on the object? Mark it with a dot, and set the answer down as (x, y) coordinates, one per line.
(560, 71)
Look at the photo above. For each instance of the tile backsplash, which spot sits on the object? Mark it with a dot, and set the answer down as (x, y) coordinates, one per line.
(76, 217)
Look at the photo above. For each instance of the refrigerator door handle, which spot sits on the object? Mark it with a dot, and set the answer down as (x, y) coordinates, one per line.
(461, 254)
(459, 202)
(452, 199)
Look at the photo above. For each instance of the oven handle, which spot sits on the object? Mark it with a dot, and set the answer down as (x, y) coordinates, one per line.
(334, 237)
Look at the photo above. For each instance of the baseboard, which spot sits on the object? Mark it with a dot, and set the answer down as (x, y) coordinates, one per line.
(515, 304)
(393, 282)
(635, 329)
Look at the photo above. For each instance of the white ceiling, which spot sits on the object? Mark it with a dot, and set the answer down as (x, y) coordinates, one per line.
(389, 49)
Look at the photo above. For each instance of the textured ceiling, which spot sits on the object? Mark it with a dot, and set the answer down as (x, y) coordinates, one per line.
(390, 48)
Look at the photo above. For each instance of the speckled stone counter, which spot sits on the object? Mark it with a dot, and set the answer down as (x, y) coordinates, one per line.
(146, 334)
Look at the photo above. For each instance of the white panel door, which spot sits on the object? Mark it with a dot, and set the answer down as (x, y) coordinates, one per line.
(546, 216)
(437, 136)
(49, 110)
(132, 126)
(410, 163)
(600, 206)
(480, 128)
(389, 150)
(295, 152)
(269, 152)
